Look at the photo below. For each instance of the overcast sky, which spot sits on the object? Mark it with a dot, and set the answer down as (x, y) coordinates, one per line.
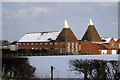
(21, 17)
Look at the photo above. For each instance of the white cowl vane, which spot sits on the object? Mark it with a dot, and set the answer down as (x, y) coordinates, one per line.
(66, 24)
(91, 23)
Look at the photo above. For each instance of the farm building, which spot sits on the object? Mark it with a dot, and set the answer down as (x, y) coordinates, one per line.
(112, 44)
(91, 42)
(14, 46)
(63, 41)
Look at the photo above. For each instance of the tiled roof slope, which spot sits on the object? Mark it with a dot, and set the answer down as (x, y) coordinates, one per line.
(87, 47)
(66, 35)
(101, 47)
(91, 34)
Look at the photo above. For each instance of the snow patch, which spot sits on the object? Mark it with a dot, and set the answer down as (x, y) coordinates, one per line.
(61, 63)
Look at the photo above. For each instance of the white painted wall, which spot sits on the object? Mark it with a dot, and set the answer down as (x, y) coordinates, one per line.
(103, 52)
(114, 52)
(13, 47)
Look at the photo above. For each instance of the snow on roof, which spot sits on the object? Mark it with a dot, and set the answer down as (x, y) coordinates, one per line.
(107, 39)
(40, 36)
(115, 39)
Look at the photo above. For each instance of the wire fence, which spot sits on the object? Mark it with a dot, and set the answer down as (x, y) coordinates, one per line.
(57, 74)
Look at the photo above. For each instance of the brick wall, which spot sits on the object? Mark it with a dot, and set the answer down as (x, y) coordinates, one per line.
(58, 45)
(117, 43)
(87, 47)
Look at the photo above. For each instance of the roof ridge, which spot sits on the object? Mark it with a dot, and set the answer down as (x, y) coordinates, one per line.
(42, 32)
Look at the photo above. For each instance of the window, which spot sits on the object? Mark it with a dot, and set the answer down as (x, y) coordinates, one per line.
(76, 48)
(46, 43)
(27, 43)
(36, 48)
(62, 50)
(112, 44)
(40, 48)
(23, 43)
(51, 43)
(36, 43)
(72, 47)
(32, 43)
(19, 43)
(56, 48)
(56, 42)
(68, 46)
(41, 43)
(62, 43)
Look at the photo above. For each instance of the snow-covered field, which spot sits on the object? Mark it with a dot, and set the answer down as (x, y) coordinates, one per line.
(61, 63)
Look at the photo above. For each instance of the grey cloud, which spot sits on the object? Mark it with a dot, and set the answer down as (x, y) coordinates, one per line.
(23, 13)
(51, 17)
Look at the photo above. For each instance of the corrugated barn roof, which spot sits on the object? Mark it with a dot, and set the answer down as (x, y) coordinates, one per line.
(40, 36)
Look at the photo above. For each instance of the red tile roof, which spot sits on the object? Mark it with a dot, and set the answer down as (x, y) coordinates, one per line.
(102, 47)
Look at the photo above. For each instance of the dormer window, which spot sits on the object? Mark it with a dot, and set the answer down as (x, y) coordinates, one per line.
(49, 38)
(103, 40)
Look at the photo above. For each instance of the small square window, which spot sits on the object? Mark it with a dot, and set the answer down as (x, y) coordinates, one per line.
(51, 43)
(32, 43)
(28, 44)
(56, 42)
(36, 43)
(62, 43)
(41, 43)
(19, 43)
(46, 43)
(23, 43)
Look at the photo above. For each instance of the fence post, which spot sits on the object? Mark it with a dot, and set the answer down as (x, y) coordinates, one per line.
(52, 72)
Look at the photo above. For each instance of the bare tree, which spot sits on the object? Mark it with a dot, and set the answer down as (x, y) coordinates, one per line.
(95, 69)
